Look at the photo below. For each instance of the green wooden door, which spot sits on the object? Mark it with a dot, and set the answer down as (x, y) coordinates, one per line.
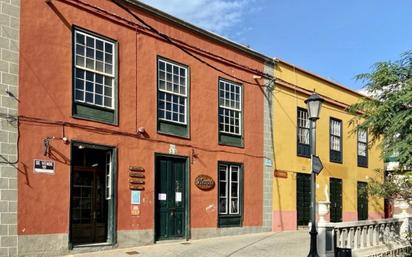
(362, 201)
(303, 198)
(170, 198)
(335, 195)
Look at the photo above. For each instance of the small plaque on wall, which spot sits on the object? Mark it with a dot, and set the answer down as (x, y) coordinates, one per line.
(281, 174)
(43, 166)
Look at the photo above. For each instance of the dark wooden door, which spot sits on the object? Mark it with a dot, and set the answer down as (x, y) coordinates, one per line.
(170, 198)
(335, 196)
(88, 206)
(362, 201)
(303, 198)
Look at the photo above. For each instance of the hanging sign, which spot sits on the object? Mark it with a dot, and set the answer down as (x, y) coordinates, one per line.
(134, 174)
(136, 187)
(43, 166)
(317, 165)
(136, 178)
(136, 181)
(136, 168)
(204, 182)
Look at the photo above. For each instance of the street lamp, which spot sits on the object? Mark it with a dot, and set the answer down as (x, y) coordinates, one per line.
(314, 102)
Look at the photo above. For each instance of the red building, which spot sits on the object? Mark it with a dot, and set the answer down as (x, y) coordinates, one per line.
(135, 127)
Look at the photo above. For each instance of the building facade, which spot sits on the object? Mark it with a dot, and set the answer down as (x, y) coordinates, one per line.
(347, 160)
(136, 127)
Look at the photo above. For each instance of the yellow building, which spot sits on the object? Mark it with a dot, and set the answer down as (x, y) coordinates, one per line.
(348, 164)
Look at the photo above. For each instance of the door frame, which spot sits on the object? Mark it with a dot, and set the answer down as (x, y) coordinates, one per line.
(186, 195)
(112, 205)
(296, 197)
(358, 195)
(341, 198)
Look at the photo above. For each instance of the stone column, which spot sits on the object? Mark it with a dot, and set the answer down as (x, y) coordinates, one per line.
(9, 69)
(268, 150)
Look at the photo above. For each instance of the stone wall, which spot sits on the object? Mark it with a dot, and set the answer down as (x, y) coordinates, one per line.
(268, 151)
(9, 70)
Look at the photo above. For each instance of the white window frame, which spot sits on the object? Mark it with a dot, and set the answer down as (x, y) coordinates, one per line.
(111, 75)
(184, 95)
(109, 174)
(230, 108)
(335, 133)
(228, 188)
(303, 116)
(363, 141)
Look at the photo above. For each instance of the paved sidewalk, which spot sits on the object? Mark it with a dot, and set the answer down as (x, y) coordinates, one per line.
(281, 244)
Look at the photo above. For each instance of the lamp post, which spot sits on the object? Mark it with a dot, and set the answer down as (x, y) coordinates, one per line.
(314, 103)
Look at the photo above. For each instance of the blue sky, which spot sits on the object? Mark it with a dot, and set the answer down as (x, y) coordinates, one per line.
(336, 39)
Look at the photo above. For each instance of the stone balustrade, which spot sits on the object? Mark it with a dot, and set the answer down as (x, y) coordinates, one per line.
(364, 238)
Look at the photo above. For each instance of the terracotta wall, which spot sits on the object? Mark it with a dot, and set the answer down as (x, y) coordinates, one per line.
(46, 93)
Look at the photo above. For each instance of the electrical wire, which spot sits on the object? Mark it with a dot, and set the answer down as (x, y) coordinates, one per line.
(149, 28)
(178, 43)
(17, 142)
(108, 131)
(169, 40)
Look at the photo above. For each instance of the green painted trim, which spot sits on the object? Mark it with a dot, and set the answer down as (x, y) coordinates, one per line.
(94, 113)
(187, 193)
(112, 204)
(173, 129)
(231, 140)
(231, 220)
(228, 139)
(89, 111)
(187, 199)
(168, 127)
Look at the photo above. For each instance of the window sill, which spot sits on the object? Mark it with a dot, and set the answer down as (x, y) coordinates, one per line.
(81, 117)
(172, 135)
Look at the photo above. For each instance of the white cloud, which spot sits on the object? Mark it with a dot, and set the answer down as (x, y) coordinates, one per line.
(214, 15)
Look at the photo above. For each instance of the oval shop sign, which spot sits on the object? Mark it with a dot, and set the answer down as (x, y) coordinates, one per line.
(204, 182)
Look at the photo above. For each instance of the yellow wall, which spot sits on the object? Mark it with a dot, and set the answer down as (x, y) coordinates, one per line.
(285, 103)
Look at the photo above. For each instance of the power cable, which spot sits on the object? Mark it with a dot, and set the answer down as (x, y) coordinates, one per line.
(171, 41)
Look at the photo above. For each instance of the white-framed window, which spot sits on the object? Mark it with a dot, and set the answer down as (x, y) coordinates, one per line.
(335, 135)
(303, 127)
(172, 95)
(229, 189)
(94, 70)
(335, 153)
(362, 142)
(230, 108)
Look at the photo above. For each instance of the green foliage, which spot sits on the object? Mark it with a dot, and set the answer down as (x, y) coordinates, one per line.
(387, 114)
(394, 186)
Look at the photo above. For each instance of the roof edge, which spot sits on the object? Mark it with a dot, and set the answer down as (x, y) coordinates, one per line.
(278, 60)
(199, 30)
